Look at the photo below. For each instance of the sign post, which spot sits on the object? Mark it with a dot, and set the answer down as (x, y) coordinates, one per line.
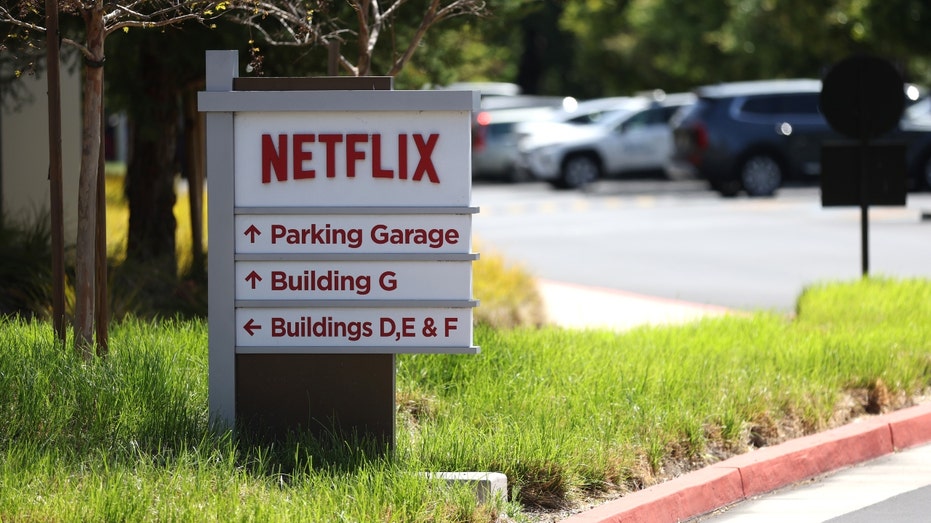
(340, 235)
(862, 97)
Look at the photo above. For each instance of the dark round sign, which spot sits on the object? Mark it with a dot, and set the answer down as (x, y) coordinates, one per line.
(862, 97)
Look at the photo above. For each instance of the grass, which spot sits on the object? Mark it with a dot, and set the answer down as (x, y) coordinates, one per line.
(564, 414)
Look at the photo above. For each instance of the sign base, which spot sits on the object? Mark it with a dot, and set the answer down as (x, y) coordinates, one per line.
(326, 395)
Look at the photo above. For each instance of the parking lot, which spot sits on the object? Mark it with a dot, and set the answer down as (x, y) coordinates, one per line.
(680, 240)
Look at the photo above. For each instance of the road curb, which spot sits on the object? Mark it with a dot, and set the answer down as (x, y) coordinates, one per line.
(767, 469)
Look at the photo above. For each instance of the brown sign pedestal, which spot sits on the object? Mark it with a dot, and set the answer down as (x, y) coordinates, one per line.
(324, 394)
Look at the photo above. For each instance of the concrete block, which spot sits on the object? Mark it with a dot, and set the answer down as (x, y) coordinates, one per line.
(487, 485)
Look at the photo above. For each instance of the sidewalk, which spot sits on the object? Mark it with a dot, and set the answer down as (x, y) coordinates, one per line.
(741, 477)
(579, 306)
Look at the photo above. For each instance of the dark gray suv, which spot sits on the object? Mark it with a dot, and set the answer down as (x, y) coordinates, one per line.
(753, 136)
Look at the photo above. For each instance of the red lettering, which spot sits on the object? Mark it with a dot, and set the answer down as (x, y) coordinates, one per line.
(377, 170)
(425, 165)
(278, 232)
(275, 156)
(278, 281)
(408, 329)
(451, 325)
(278, 328)
(354, 155)
(402, 156)
(300, 156)
(330, 140)
(276, 159)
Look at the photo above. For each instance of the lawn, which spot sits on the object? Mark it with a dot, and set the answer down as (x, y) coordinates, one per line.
(566, 415)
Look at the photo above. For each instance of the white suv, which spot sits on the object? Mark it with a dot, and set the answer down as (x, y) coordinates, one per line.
(633, 136)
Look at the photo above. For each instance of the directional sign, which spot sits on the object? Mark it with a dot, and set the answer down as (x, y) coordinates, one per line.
(353, 280)
(366, 233)
(271, 329)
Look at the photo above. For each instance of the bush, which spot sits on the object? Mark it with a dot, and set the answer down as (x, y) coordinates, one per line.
(26, 267)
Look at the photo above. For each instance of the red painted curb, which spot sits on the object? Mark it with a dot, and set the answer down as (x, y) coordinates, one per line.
(766, 469)
(694, 493)
(769, 468)
(910, 426)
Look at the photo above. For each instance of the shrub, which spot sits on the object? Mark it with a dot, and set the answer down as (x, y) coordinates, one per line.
(26, 267)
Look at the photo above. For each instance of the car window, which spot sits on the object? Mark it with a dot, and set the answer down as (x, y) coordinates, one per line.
(587, 118)
(643, 119)
(668, 112)
(500, 129)
(799, 104)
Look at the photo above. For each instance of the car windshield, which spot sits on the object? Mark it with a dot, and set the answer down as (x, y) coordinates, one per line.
(592, 117)
(612, 118)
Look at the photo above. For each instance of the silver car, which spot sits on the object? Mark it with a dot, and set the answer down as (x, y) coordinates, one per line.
(632, 136)
(494, 141)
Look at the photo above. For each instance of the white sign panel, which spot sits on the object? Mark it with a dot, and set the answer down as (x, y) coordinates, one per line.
(353, 280)
(347, 327)
(352, 158)
(439, 233)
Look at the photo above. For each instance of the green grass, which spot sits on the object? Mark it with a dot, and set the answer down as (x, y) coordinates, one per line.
(564, 414)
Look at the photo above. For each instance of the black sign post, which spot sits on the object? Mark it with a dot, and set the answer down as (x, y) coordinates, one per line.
(862, 97)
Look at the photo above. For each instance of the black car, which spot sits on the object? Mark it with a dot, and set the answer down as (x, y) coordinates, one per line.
(753, 136)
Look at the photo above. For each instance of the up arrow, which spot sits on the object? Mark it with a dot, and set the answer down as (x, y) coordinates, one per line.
(252, 232)
(251, 326)
(253, 278)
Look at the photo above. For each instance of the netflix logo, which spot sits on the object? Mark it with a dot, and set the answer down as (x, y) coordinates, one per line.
(303, 156)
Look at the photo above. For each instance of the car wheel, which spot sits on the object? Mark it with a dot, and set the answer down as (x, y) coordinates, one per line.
(761, 175)
(580, 170)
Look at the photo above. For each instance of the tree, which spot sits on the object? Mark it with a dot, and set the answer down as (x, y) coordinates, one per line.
(100, 19)
(323, 24)
(173, 58)
(155, 84)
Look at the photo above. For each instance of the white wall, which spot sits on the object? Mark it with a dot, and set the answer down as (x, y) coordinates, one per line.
(25, 153)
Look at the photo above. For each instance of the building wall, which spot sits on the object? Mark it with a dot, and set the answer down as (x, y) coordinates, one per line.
(24, 159)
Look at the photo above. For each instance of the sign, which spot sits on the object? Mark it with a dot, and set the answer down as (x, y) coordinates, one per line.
(862, 97)
(353, 330)
(340, 235)
(335, 207)
(352, 280)
(884, 168)
(328, 158)
(354, 233)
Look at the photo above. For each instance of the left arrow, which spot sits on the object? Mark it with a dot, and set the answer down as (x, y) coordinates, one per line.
(251, 326)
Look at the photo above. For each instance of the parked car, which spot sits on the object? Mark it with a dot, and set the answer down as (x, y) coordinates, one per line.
(623, 135)
(494, 141)
(753, 136)
(502, 107)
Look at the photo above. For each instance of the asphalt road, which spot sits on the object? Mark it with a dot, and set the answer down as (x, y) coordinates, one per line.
(678, 240)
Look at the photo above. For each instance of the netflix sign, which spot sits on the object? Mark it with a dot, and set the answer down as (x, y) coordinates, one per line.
(346, 158)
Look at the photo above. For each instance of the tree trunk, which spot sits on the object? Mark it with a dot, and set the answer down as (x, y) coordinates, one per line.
(85, 289)
(151, 174)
